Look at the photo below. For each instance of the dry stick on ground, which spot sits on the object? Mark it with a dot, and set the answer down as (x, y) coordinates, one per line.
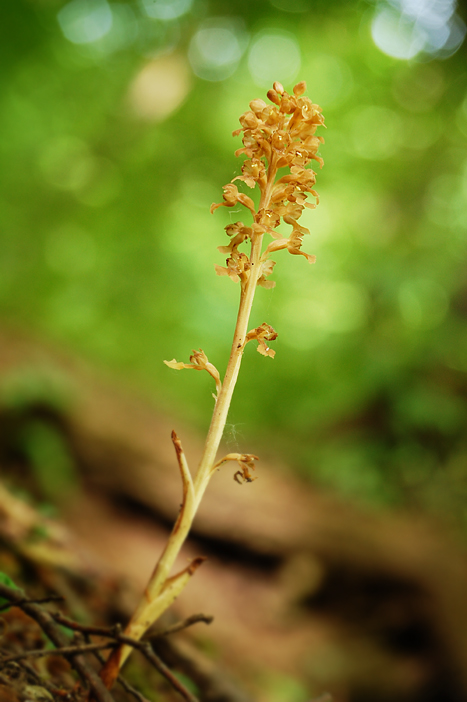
(18, 598)
(75, 652)
(213, 683)
(42, 600)
(121, 680)
(78, 649)
(143, 646)
(275, 137)
(116, 630)
(184, 624)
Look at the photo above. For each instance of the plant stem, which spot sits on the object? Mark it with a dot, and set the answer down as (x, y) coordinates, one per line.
(222, 407)
(155, 600)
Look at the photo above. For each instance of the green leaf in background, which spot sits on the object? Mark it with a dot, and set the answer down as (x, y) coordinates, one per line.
(115, 138)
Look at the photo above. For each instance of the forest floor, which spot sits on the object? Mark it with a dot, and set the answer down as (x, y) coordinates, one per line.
(308, 594)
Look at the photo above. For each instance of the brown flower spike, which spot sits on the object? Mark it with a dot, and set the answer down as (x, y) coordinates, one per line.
(275, 136)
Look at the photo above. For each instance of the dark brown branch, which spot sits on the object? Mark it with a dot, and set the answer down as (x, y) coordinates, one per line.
(61, 651)
(48, 624)
(110, 632)
(18, 598)
(114, 631)
(143, 646)
(42, 600)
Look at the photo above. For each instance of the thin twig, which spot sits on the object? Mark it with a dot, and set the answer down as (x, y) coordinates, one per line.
(121, 680)
(113, 631)
(184, 624)
(146, 650)
(42, 600)
(54, 633)
(110, 632)
(131, 690)
(143, 646)
(48, 624)
(212, 682)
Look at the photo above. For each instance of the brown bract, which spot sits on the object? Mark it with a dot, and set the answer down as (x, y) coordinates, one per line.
(277, 136)
(246, 461)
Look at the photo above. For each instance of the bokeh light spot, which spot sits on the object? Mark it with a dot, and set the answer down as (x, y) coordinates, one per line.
(166, 10)
(405, 28)
(124, 32)
(274, 55)
(456, 37)
(216, 49)
(160, 87)
(395, 35)
(85, 21)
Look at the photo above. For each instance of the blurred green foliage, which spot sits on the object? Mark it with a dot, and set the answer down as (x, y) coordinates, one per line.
(115, 138)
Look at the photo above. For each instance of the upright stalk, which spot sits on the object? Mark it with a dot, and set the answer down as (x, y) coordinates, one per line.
(279, 137)
(221, 410)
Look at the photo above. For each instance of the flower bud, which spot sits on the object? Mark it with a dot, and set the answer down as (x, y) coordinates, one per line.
(274, 97)
(300, 88)
(257, 105)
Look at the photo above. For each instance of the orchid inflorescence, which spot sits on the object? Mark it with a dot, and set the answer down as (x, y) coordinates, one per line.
(276, 136)
(282, 135)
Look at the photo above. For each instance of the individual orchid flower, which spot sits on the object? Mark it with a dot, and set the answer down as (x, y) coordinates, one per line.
(266, 270)
(262, 334)
(238, 267)
(238, 233)
(253, 172)
(232, 196)
(293, 246)
(199, 361)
